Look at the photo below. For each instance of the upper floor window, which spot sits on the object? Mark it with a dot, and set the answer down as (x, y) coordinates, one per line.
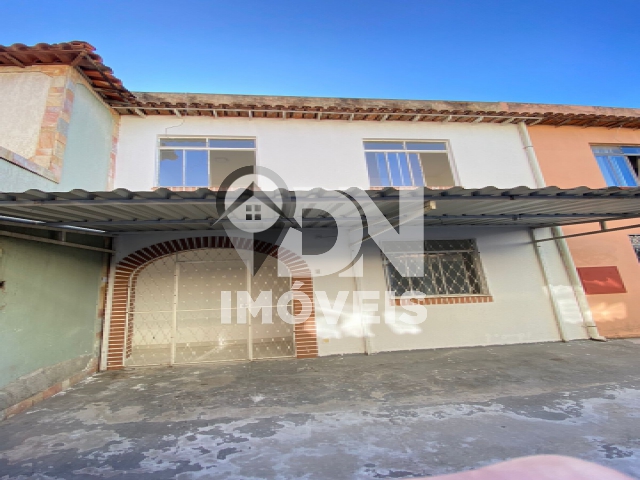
(619, 164)
(451, 267)
(202, 161)
(396, 163)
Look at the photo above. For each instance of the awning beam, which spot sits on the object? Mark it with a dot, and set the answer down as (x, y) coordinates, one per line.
(96, 223)
(603, 229)
(63, 243)
(55, 227)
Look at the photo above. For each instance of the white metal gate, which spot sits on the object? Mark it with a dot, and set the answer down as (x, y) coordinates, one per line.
(176, 311)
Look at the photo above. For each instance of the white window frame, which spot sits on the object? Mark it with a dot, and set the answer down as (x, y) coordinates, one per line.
(448, 150)
(206, 138)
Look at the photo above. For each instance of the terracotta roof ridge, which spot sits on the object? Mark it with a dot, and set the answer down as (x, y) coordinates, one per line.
(314, 101)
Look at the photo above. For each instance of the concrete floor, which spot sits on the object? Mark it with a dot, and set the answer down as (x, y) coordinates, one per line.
(392, 415)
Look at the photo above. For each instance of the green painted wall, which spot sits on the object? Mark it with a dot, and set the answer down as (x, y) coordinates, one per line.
(48, 305)
(86, 156)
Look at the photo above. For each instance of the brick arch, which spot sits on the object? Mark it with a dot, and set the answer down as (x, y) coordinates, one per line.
(126, 271)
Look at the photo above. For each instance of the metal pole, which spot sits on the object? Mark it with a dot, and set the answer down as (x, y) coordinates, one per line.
(249, 267)
(174, 319)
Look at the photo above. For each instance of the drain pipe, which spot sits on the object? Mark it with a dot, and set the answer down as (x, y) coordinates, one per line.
(561, 244)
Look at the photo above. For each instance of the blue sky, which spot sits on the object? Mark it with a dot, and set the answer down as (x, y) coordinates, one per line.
(545, 51)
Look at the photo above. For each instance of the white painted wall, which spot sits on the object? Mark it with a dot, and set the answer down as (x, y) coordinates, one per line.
(328, 154)
(521, 312)
(23, 98)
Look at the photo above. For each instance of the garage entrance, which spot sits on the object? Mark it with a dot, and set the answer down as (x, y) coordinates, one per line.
(177, 314)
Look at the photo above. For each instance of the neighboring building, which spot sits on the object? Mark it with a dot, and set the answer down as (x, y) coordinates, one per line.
(56, 134)
(486, 279)
(599, 157)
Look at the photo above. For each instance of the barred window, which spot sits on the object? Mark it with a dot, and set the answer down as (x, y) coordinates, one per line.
(451, 267)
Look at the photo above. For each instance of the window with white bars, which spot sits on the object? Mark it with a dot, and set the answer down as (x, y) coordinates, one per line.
(202, 161)
(635, 241)
(451, 267)
(396, 163)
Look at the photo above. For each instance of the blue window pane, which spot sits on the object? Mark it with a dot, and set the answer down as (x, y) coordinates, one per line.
(631, 150)
(372, 167)
(416, 170)
(383, 170)
(426, 146)
(621, 167)
(404, 170)
(232, 143)
(196, 170)
(170, 169)
(383, 146)
(394, 169)
(183, 142)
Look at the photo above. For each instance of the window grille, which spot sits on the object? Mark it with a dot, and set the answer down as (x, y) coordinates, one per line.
(451, 267)
(635, 242)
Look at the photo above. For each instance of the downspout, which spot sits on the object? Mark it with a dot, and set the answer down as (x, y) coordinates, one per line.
(561, 244)
(544, 267)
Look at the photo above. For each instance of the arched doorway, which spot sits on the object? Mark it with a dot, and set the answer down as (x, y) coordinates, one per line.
(179, 315)
(168, 307)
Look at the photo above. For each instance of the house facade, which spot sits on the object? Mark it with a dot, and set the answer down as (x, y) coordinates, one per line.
(52, 297)
(608, 263)
(310, 154)
(362, 225)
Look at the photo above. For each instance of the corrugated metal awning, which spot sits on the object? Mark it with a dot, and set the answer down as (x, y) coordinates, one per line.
(124, 211)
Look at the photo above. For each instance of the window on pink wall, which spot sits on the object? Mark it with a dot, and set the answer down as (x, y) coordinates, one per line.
(618, 164)
(601, 280)
(635, 242)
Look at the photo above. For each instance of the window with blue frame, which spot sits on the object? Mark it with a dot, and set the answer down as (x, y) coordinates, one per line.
(618, 164)
(399, 163)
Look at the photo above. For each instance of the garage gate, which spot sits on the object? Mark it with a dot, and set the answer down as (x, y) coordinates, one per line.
(177, 315)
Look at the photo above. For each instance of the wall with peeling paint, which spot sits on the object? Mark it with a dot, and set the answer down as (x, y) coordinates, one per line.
(49, 319)
(87, 153)
(23, 94)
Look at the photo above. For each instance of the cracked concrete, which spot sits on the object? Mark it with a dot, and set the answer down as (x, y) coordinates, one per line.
(392, 415)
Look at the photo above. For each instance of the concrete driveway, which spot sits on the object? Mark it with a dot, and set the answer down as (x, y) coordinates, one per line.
(391, 415)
